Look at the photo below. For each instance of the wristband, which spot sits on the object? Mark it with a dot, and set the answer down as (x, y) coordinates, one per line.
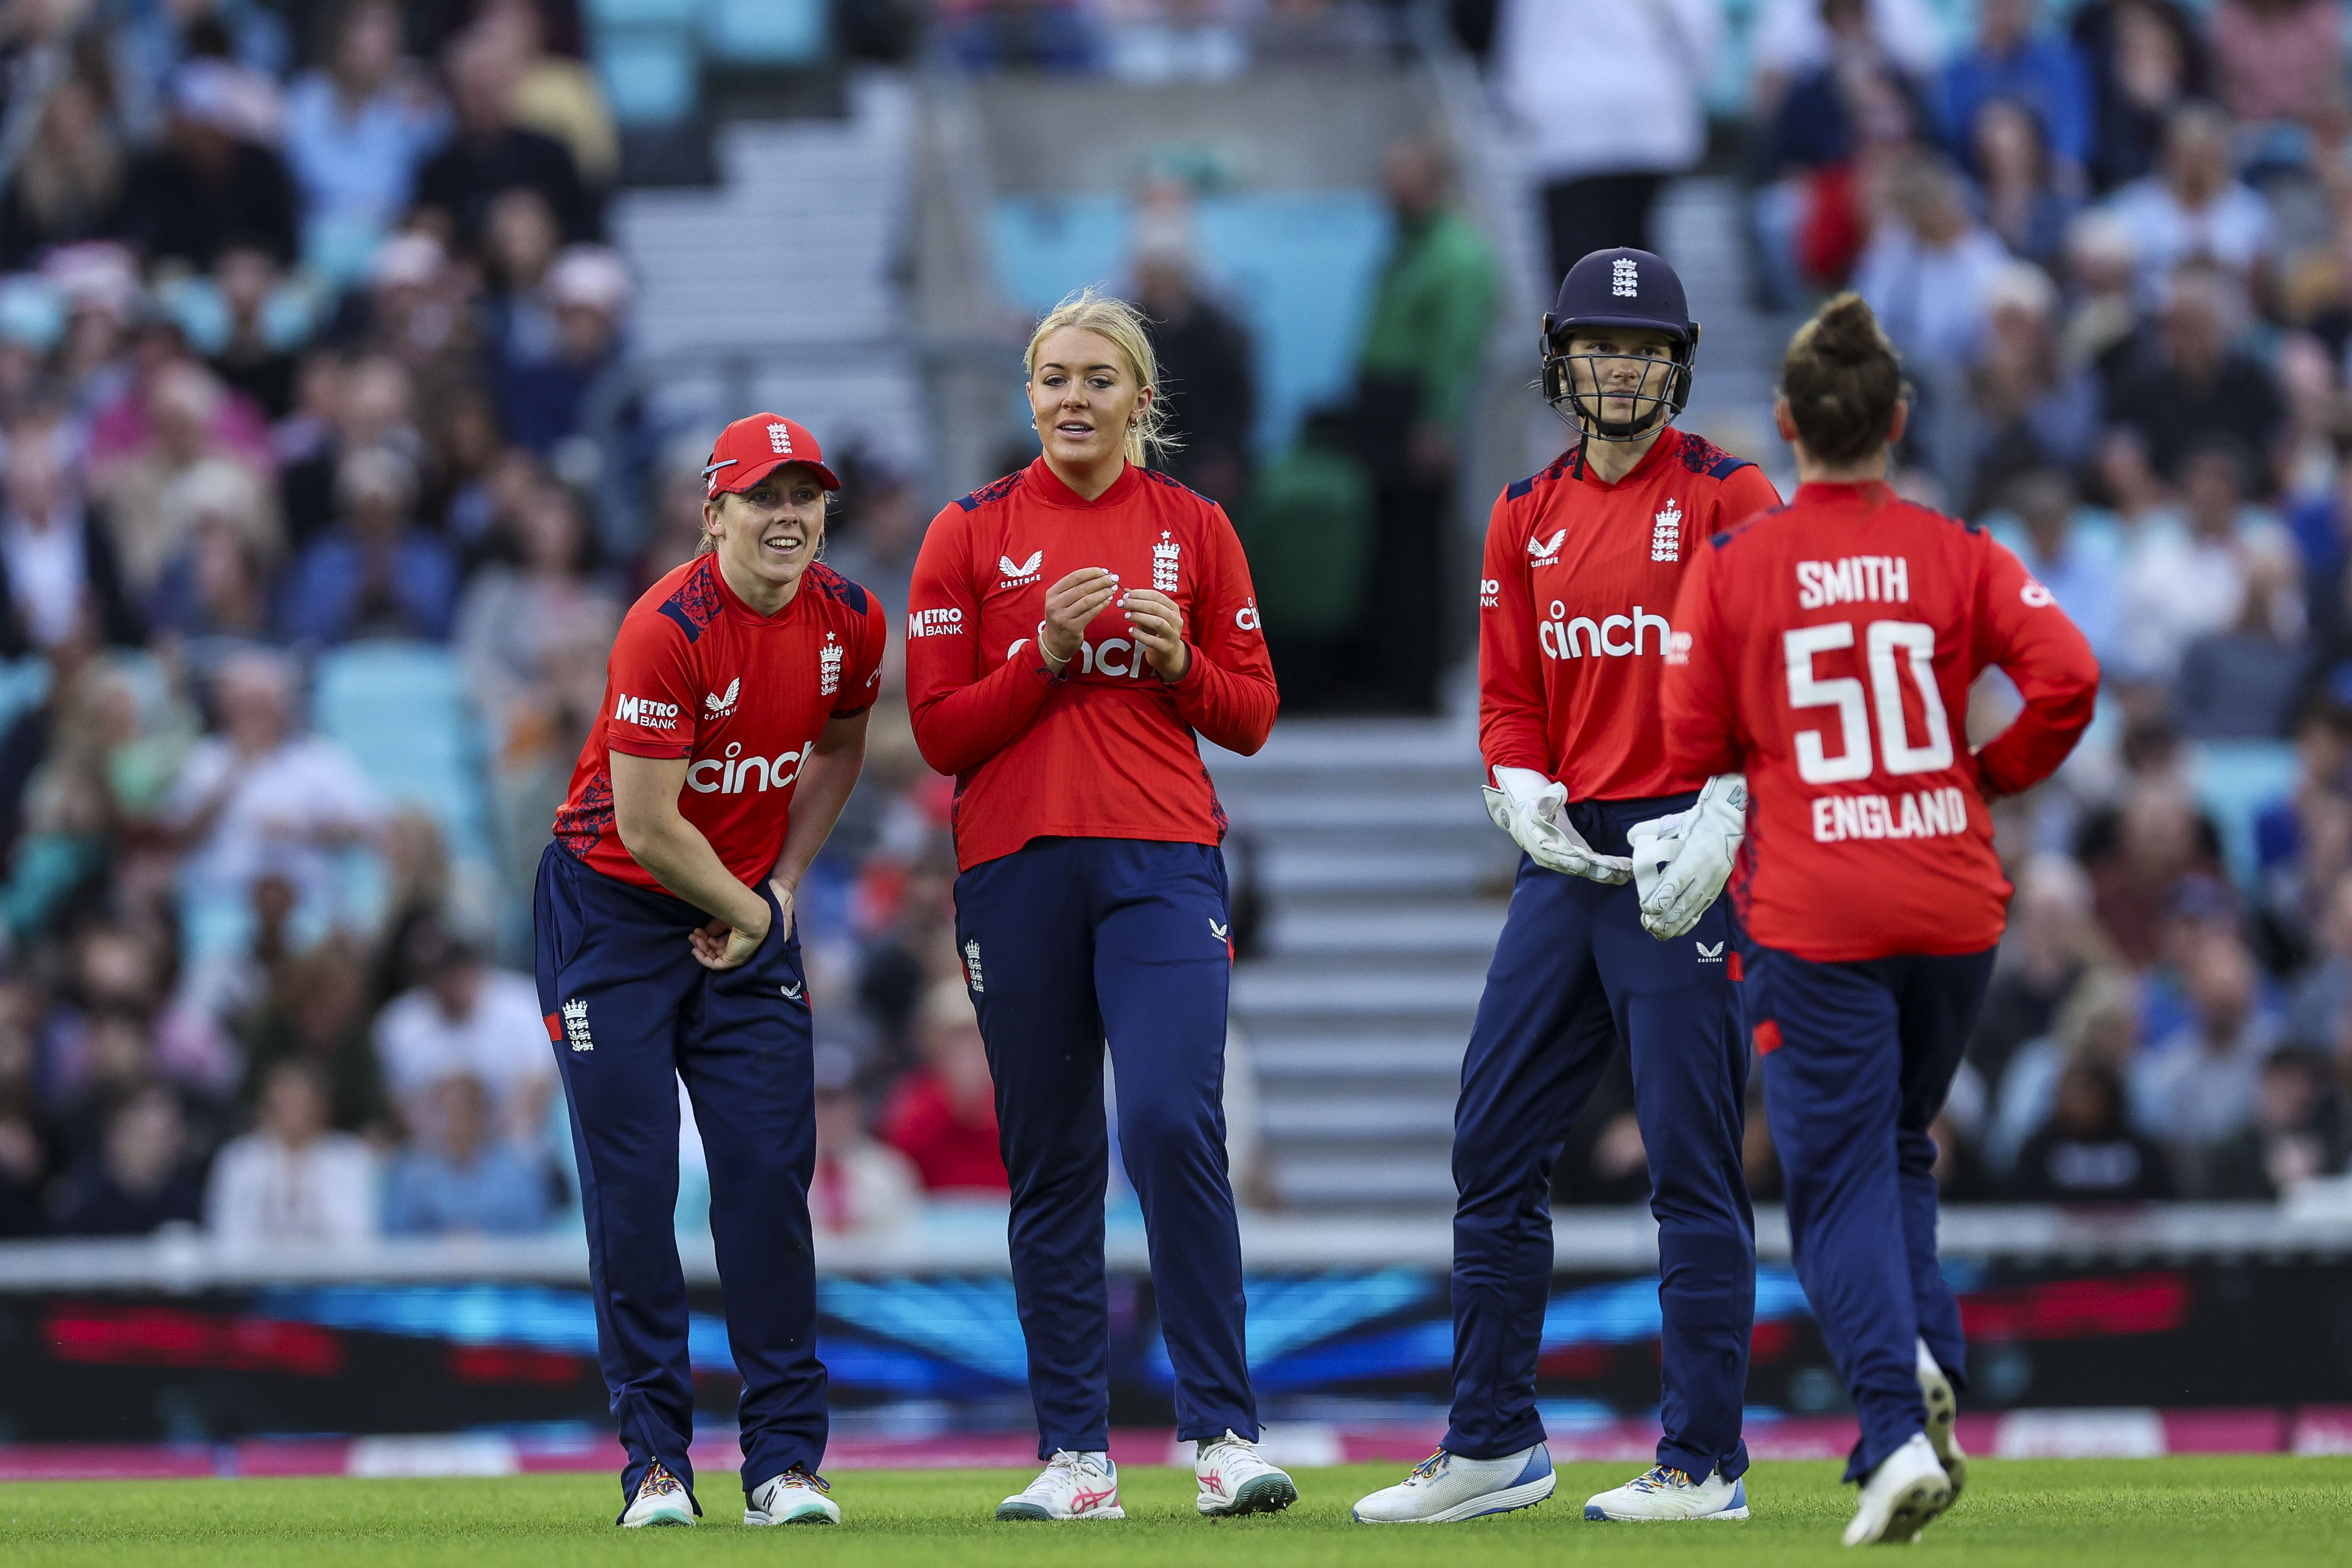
(1056, 665)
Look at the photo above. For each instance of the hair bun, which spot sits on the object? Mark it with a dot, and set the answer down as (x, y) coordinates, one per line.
(1847, 331)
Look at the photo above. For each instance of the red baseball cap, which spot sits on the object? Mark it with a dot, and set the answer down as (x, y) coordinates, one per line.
(755, 446)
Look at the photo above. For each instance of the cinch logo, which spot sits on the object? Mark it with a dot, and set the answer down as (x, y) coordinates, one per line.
(1017, 573)
(732, 775)
(646, 713)
(1117, 657)
(946, 623)
(575, 1025)
(1564, 638)
(1246, 619)
(780, 440)
(1545, 554)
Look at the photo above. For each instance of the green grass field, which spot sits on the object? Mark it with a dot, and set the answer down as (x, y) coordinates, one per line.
(2168, 1511)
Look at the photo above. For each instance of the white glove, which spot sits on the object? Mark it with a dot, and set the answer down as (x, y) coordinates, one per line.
(1681, 862)
(1527, 808)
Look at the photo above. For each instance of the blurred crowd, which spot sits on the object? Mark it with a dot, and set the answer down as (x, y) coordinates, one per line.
(2114, 243)
(305, 312)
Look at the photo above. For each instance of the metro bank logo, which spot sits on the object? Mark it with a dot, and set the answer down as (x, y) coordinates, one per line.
(646, 713)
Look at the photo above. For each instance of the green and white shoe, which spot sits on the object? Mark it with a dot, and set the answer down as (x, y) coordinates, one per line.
(662, 1500)
(793, 1498)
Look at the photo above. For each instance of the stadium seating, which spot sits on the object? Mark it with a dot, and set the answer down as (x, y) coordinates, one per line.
(765, 32)
(2234, 780)
(1299, 266)
(400, 708)
(650, 73)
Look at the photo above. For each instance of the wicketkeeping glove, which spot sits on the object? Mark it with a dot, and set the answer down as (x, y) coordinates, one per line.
(1528, 807)
(1681, 862)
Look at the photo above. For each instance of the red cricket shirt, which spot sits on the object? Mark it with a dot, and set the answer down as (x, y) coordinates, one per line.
(1830, 647)
(697, 672)
(1579, 580)
(1107, 748)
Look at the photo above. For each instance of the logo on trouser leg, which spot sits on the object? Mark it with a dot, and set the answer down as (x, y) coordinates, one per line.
(575, 1025)
(1711, 954)
(972, 965)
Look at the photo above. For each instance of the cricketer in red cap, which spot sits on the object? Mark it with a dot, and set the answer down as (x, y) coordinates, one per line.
(756, 445)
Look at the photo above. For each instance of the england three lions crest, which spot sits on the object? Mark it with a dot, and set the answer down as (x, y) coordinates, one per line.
(1667, 533)
(828, 665)
(1164, 561)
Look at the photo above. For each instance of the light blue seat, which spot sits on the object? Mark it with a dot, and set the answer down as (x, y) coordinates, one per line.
(1299, 266)
(651, 75)
(765, 32)
(2234, 780)
(401, 711)
(602, 15)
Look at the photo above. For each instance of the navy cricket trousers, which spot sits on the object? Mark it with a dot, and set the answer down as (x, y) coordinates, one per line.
(632, 1013)
(1574, 974)
(1069, 942)
(1857, 1060)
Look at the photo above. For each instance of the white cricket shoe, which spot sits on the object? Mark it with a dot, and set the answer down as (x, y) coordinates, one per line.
(1943, 1410)
(1664, 1493)
(661, 1499)
(1446, 1487)
(1072, 1485)
(793, 1498)
(1908, 1490)
(1236, 1478)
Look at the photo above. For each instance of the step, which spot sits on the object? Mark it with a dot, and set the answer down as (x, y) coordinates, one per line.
(1286, 872)
(1418, 1181)
(1261, 995)
(1406, 933)
(1316, 1063)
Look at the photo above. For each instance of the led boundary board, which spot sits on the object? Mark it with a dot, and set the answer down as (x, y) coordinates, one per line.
(147, 1365)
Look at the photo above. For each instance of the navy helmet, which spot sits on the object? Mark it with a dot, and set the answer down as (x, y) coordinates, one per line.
(1619, 288)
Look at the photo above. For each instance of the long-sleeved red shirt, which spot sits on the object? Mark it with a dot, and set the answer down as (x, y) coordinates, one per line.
(1830, 645)
(1573, 603)
(1107, 748)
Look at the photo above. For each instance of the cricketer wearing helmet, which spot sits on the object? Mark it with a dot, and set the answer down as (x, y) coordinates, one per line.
(1615, 930)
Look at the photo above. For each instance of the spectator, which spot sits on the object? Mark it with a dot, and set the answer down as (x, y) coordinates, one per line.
(2281, 60)
(556, 96)
(2013, 60)
(1207, 381)
(1308, 529)
(2197, 1086)
(2297, 1132)
(488, 152)
(215, 586)
(2099, 1022)
(532, 639)
(355, 133)
(2024, 203)
(1603, 143)
(873, 539)
(1832, 141)
(1044, 34)
(2194, 208)
(461, 1178)
(255, 798)
(61, 577)
(2052, 943)
(2079, 567)
(1424, 343)
(2086, 1152)
(365, 404)
(291, 1181)
(464, 1016)
(2146, 60)
(254, 360)
(315, 1014)
(209, 185)
(1793, 38)
(942, 1115)
(2026, 408)
(140, 1177)
(2102, 315)
(862, 1187)
(25, 1146)
(542, 388)
(374, 573)
(2239, 683)
(2184, 583)
(68, 186)
(156, 491)
(1929, 269)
